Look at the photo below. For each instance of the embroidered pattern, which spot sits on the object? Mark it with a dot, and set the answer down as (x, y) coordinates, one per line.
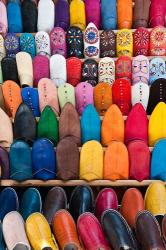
(91, 35)
(75, 42)
(141, 38)
(107, 38)
(158, 41)
(27, 44)
(42, 42)
(108, 44)
(11, 45)
(57, 37)
(107, 72)
(124, 39)
(90, 72)
(91, 51)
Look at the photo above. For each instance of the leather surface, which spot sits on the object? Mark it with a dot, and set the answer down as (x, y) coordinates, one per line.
(124, 11)
(14, 17)
(121, 95)
(155, 198)
(77, 14)
(95, 238)
(2, 242)
(102, 97)
(74, 66)
(58, 71)
(6, 130)
(117, 231)
(9, 69)
(148, 231)
(4, 164)
(48, 95)
(108, 14)
(31, 98)
(43, 160)
(29, 16)
(132, 203)
(81, 201)
(55, 200)
(13, 221)
(12, 97)
(30, 203)
(48, 125)
(9, 201)
(139, 159)
(84, 96)
(25, 69)
(69, 124)
(67, 156)
(91, 155)
(157, 13)
(20, 161)
(2, 48)
(39, 232)
(157, 94)
(136, 124)
(90, 124)
(141, 13)
(62, 16)
(2, 102)
(140, 94)
(158, 166)
(23, 118)
(157, 120)
(112, 128)
(46, 7)
(106, 199)
(92, 9)
(4, 22)
(164, 227)
(67, 239)
(66, 94)
(116, 162)
(41, 69)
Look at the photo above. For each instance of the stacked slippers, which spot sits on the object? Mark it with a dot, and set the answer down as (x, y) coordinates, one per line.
(39, 223)
(131, 138)
(117, 14)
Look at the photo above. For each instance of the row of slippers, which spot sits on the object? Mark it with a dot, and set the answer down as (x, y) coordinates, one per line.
(113, 126)
(90, 44)
(29, 72)
(104, 14)
(68, 163)
(102, 96)
(117, 228)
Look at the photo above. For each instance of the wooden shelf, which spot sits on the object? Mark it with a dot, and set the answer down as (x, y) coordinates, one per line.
(119, 183)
